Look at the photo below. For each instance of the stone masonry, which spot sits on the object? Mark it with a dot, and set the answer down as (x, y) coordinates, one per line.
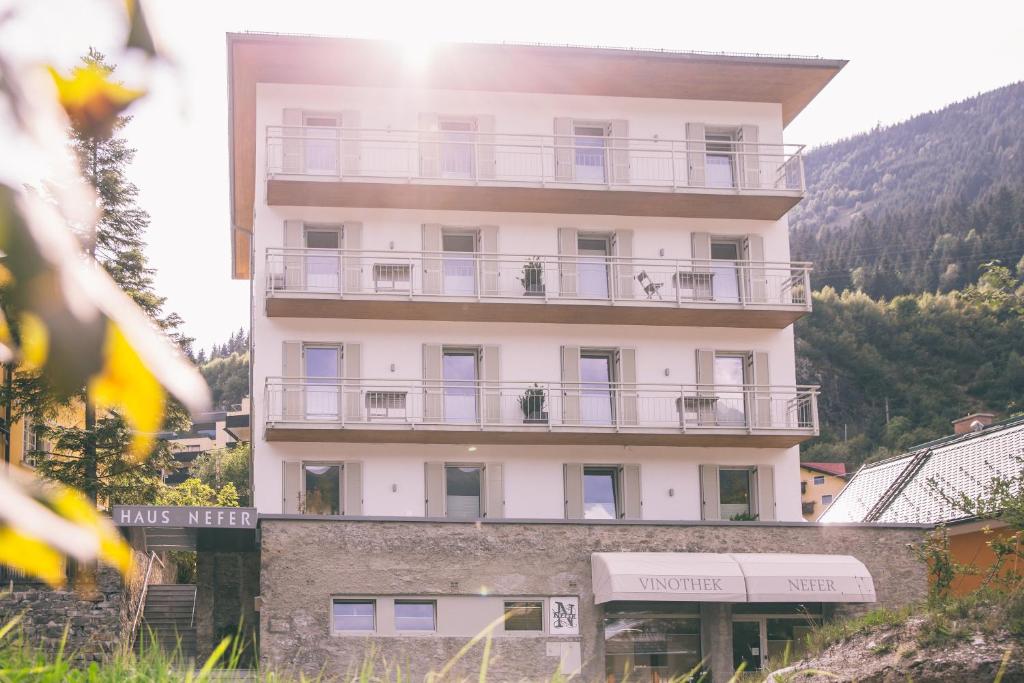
(305, 562)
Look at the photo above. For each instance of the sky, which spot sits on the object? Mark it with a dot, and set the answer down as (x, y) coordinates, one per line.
(906, 57)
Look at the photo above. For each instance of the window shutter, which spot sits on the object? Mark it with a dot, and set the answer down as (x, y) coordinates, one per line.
(490, 362)
(352, 265)
(631, 500)
(490, 264)
(293, 270)
(353, 390)
(433, 392)
(700, 253)
(570, 385)
(431, 241)
(628, 409)
(762, 391)
(624, 279)
(485, 149)
(350, 146)
(766, 493)
(292, 148)
(757, 285)
(568, 251)
(711, 509)
(696, 149)
(573, 474)
(352, 471)
(494, 494)
(430, 146)
(292, 389)
(564, 151)
(620, 151)
(434, 489)
(291, 487)
(705, 377)
(750, 160)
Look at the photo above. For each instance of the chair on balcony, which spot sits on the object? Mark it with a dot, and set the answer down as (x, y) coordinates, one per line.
(650, 287)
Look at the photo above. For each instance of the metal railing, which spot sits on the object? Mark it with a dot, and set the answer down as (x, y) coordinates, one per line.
(141, 604)
(475, 157)
(573, 406)
(528, 279)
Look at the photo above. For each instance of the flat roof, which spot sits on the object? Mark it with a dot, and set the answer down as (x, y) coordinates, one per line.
(791, 81)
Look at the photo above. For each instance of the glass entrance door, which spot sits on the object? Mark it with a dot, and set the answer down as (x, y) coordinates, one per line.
(321, 144)
(457, 149)
(460, 387)
(596, 396)
(459, 264)
(730, 402)
(589, 143)
(593, 267)
(322, 381)
(746, 645)
(652, 648)
(323, 270)
(725, 272)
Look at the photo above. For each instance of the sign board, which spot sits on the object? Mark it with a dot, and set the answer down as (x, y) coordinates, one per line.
(184, 517)
(564, 616)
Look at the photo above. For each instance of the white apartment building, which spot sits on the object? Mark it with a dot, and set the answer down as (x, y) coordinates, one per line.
(520, 289)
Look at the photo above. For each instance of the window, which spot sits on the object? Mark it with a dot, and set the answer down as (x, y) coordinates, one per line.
(803, 487)
(730, 378)
(725, 273)
(649, 646)
(736, 493)
(524, 615)
(589, 143)
(593, 266)
(322, 485)
(457, 147)
(763, 635)
(354, 615)
(462, 491)
(459, 372)
(321, 143)
(601, 493)
(597, 375)
(826, 499)
(819, 480)
(721, 152)
(459, 263)
(322, 270)
(322, 371)
(415, 615)
(32, 443)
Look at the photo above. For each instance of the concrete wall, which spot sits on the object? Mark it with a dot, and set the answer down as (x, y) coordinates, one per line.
(304, 563)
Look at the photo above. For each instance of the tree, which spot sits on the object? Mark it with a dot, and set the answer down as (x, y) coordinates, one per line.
(222, 466)
(194, 492)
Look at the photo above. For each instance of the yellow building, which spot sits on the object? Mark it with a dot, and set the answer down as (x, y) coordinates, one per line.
(820, 483)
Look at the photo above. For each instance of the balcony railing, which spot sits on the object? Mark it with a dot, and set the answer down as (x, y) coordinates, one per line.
(532, 279)
(579, 407)
(498, 159)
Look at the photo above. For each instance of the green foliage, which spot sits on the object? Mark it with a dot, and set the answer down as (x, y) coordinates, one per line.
(228, 378)
(942, 568)
(222, 466)
(195, 492)
(832, 632)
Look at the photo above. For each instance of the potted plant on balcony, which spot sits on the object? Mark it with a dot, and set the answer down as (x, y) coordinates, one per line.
(532, 405)
(532, 278)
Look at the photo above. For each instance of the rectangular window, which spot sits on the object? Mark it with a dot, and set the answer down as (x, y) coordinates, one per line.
(819, 480)
(601, 493)
(826, 499)
(322, 371)
(462, 491)
(735, 493)
(721, 153)
(459, 371)
(354, 615)
(730, 378)
(32, 443)
(725, 273)
(457, 147)
(592, 267)
(597, 375)
(415, 615)
(322, 485)
(321, 143)
(322, 270)
(652, 647)
(589, 143)
(459, 263)
(524, 615)
(803, 487)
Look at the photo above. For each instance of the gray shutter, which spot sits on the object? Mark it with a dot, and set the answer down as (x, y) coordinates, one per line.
(756, 282)
(568, 251)
(433, 393)
(628, 409)
(700, 253)
(292, 147)
(490, 264)
(430, 146)
(564, 162)
(353, 395)
(620, 151)
(631, 500)
(573, 475)
(762, 391)
(750, 161)
(350, 145)
(696, 151)
(292, 388)
(490, 363)
(711, 508)
(353, 500)
(494, 482)
(431, 242)
(570, 385)
(705, 372)
(485, 150)
(293, 271)
(624, 278)
(352, 266)
(434, 488)
(291, 487)
(766, 493)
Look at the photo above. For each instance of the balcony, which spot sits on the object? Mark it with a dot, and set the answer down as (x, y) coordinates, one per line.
(477, 171)
(337, 283)
(413, 411)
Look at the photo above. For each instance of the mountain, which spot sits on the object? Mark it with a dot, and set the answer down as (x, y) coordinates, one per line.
(920, 205)
(226, 370)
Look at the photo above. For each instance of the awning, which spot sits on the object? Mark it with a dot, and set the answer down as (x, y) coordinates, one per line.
(730, 577)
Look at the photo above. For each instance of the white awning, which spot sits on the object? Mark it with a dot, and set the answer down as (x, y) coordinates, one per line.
(780, 577)
(730, 577)
(675, 577)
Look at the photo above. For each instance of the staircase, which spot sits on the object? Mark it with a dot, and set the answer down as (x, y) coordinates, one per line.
(168, 620)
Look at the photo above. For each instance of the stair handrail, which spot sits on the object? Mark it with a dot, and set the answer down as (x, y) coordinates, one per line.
(195, 595)
(142, 598)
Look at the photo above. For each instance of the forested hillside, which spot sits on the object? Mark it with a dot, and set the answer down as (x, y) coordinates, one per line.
(226, 370)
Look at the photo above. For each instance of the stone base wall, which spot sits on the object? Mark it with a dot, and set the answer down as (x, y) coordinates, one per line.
(306, 562)
(227, 584)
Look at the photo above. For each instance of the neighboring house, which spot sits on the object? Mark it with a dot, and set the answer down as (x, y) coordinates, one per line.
(900, 490)
(820, 483)
(213, 430)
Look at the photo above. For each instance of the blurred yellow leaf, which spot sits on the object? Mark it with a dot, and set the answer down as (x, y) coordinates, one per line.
(75, 508)
(125, 382)
(32, 556)
(93, 101)
(139, 35)
(35, 341)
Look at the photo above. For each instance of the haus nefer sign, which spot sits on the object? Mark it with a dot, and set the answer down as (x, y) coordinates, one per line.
(184, 517)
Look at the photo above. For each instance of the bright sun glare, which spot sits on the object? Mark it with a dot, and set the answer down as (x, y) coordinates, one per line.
(417, 52)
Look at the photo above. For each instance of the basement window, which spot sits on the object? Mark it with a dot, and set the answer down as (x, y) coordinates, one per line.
(524, 615)
(354, 615)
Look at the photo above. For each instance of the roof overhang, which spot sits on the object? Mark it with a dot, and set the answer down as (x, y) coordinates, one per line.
(791, 82)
